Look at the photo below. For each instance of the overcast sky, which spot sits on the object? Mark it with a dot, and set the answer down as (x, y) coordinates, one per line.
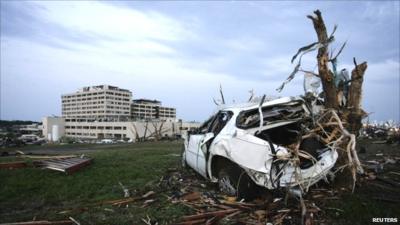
(180, 52)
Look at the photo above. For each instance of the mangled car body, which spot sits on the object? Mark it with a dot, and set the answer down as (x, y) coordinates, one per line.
(248, 146)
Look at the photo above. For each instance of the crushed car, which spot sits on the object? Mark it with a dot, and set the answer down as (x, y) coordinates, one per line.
(245, 147)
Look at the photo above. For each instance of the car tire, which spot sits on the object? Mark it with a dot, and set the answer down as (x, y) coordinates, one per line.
(234, 181)
(227, 183)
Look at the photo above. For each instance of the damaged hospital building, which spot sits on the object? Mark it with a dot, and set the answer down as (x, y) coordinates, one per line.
(108, 112)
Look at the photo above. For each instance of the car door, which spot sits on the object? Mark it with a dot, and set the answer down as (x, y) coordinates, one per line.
(202, 153)
(218, 123)
(195, 141)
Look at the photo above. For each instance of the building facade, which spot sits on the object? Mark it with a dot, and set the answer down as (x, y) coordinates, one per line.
(53, 128)
(144, 109)
(107, 112)
(56, 127)
(98, 103)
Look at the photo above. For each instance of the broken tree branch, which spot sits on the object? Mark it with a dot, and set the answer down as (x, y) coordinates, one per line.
(308, 71)
(291, 76)
(222, 94)
(325, 74)
(340, 51)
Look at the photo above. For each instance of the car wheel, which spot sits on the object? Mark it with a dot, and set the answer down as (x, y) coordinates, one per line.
(226, 182)
(234, 181)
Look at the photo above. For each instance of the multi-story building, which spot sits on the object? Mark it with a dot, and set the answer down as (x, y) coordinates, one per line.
(144, 109)
(104, 111)
(100, 103)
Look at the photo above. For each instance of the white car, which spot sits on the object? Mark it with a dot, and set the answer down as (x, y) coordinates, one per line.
(242, 153)
(106, 141)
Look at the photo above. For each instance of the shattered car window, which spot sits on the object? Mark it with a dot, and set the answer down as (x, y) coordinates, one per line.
(220, 121)
(205, 126)
(272, 114)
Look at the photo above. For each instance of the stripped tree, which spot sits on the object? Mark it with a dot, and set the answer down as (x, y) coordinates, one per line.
(341, 121)
(351, 113)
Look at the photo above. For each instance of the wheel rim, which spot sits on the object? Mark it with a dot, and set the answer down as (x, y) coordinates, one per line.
(226, 186)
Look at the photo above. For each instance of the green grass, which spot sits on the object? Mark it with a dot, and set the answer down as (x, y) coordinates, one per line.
(29, 192)
(358, 209)
(47, 146)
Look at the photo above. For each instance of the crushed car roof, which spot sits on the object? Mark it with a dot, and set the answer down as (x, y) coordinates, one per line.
(256, 102)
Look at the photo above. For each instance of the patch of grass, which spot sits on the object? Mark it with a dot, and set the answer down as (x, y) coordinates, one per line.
(46, 146)
(29, 192)
(360, 209)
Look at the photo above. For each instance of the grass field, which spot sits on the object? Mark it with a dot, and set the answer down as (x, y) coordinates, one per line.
(29, 193)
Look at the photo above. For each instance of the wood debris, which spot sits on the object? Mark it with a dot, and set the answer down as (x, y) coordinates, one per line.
(42, 222)
(66, 165)
(13, 165)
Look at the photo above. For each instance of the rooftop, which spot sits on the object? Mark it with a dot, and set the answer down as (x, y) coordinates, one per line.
(100, 87)
(146, 101)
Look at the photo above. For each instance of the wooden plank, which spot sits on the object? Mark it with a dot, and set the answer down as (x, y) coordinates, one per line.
(192, 222)
(54, 165)
(55, 168)
(13, 165)
(68, 166)
(78, 166)
(63, 162)
(42, 222)
(46, 156)
(209, 214)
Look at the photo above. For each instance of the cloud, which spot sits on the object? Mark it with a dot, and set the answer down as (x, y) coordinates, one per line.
(126, 24)
(386, 72)
(178, 53)
(376, 13)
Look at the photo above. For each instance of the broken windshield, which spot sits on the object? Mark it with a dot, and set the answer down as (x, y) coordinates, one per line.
(271, 114)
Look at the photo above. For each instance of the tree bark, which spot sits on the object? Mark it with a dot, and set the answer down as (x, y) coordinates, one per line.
(354, 113)
(325, 74)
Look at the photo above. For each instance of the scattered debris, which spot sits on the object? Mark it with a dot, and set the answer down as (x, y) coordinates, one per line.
(66, 165)
(191, 196)
(13, 165)
(148, 194)
(382, 133)
(212, 207)
(73, 220)
(36, 156)
(125, 190)
(202, 218)
(42, 222)
(148, 221)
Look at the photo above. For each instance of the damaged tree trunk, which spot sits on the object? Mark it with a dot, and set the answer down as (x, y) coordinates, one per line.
(328, 84)
(352, 113)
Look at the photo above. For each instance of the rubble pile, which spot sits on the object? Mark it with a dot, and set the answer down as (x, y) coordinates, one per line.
(210, 206)
(386, 133)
